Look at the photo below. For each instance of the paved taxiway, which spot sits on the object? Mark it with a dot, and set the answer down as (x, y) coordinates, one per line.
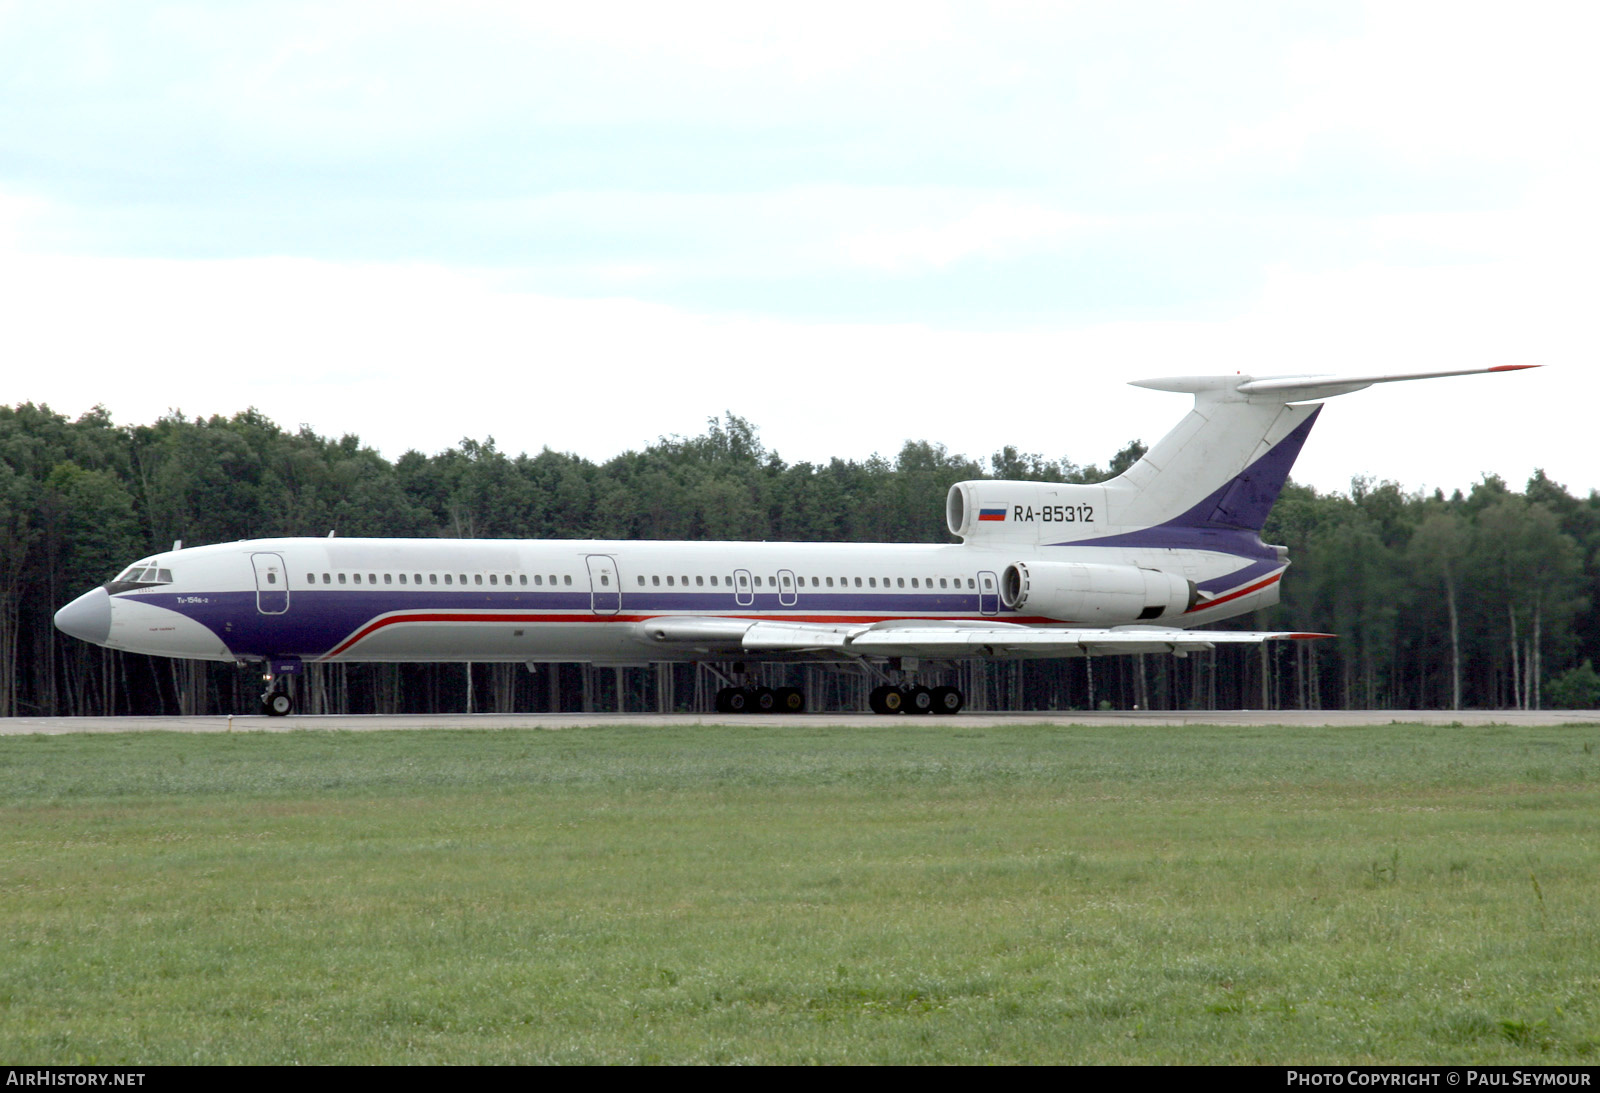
(20, 726)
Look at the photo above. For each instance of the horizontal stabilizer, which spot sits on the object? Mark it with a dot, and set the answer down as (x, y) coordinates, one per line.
(1300, 388)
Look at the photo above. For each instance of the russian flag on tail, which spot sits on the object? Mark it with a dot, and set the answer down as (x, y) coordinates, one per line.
(992, 514)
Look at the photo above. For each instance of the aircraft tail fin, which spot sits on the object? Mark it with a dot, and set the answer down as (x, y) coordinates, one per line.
(1207, 484)
(1224, 465)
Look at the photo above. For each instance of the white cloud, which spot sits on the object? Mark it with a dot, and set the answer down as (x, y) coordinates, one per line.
(1276, 192)
(992, 229)
(420, 357)
(1428, 80)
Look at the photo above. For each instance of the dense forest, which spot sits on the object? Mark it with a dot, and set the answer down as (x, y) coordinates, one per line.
(1482, 599)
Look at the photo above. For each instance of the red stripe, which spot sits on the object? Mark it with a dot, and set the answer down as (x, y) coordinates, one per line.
(445, 616)
(1245, 591)
(452, 616)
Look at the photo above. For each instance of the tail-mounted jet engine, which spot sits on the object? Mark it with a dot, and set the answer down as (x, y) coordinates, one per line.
(1087, 592)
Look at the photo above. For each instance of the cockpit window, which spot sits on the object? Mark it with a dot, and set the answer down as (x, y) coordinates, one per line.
(143, 573)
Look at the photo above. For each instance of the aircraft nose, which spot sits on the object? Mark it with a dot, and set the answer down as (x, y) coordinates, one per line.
(87, 617)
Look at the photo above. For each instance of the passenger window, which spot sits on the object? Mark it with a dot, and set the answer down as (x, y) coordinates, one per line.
(686, 582)
(699, 582)
(341, 578)
(388, 578)
(872, 582)
(815, 583)
(537, 579)
(567, 579)
(433, 578)
(311, 578)
(327, 578)
(830, 582)
(447, 578)
(713, 580)
(605, 579)
(655, 579)
(913, 582)
(477, 578)
(900, 582)
(522, 578)
(641, 580)
(669, 580)
(942, 584)
(858, 582)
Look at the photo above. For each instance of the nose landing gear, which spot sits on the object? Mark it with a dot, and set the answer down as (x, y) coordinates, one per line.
(278, 699)
(277, 703)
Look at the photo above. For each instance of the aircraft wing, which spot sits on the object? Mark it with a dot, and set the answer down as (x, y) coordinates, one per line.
(902, 638)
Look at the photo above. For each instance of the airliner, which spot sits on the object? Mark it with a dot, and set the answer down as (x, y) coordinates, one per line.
(1142, 563)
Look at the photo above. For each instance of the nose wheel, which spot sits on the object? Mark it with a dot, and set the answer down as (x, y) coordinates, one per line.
(276, 701)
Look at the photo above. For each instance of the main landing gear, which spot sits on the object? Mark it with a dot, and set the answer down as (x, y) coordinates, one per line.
(915, 699)
(760, 700)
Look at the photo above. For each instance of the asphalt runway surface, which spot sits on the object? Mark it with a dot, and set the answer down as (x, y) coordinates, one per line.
(55, 726)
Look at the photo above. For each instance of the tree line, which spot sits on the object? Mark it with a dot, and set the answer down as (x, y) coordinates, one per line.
(1480, 599)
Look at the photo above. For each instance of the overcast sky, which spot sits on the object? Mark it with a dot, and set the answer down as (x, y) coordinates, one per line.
(585, 226)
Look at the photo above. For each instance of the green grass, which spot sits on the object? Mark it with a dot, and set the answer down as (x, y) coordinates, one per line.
(916, 892)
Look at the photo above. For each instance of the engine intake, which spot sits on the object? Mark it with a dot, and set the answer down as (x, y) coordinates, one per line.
(1088, 592)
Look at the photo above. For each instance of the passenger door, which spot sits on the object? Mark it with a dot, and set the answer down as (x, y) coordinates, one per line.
(744, 594)
(605, 586)
(272, 583)
(988, 593)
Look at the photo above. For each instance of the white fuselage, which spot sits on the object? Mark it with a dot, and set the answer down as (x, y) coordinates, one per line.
(586, 600)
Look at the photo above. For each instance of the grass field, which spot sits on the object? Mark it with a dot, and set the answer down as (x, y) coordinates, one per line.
(915, 892)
